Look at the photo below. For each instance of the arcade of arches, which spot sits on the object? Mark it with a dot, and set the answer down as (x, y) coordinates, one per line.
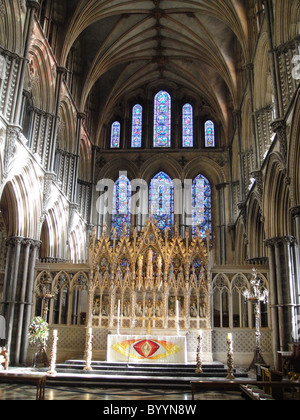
(149, 153)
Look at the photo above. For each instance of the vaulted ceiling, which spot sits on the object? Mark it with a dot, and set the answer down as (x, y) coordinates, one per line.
(199, 46)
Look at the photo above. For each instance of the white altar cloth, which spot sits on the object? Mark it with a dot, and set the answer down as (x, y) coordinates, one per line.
(146, 349)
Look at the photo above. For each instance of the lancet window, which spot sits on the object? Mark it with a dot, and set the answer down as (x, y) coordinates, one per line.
(210, 134)
(115, 135)
(187, 126)
(162, 120)
(121, 216)
(201, 196)
(137, 126)
(162, 200)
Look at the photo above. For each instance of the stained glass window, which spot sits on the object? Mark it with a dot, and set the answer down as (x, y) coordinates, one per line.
(210, 134)
(187, 126)
(201, 205)
(162, 200)
(115, 135)
(162, 120)
(121, 205)
(137, 126)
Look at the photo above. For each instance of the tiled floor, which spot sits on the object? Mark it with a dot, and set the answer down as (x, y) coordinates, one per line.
(17, 392)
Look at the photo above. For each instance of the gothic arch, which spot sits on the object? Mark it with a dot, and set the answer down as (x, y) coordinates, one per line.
(241, 243)
(11, 26)
(255, 230)
(66, 137)
(57, 220)
(39, 80)
(111, 170)
(85, 162)
(21, 201)
(77, 243)
(161, 163)
(294, 155)
(263, 89)
(287, 17)
(206, 167)
(247, 133)
(276, 199)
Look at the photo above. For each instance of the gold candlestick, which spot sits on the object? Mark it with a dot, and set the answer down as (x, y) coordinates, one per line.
(230, 363)
(199, 353)
(88, 350)
(52, 370)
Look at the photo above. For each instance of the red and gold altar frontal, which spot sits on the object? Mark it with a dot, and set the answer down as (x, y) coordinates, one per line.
(146, 349)
(150, 280)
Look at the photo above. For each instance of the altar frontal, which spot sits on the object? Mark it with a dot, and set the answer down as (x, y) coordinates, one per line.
(146, 349)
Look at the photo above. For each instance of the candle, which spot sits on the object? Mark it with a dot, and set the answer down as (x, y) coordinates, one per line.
(201, 333)
(54, 333)
(90, 331)
(229, 337)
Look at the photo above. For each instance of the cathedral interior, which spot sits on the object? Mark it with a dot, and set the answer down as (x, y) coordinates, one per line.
(149, 155)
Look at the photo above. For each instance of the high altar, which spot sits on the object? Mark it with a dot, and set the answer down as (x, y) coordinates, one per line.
(149, 289)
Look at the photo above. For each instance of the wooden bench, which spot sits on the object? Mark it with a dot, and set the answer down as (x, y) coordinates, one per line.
(236, 385)
(18, 378)
(295, 377)
(252, 392)
(271, 376)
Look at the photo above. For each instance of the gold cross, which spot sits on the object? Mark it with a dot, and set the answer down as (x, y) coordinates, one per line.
(149, 318)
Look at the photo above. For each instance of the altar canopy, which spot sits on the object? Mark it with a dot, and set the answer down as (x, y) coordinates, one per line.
(146, 349)
(150, 281)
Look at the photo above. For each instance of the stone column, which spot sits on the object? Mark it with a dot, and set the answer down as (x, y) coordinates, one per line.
(273, 298)
(12, 290)
(27, 244)
(222, 223)
(61, 71)
(29, 299)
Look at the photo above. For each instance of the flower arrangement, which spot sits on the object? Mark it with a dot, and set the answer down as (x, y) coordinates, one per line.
(38, 331)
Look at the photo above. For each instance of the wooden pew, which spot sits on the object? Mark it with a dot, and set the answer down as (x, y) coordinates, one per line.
(226, 385)
(18, 378)
(269, 375)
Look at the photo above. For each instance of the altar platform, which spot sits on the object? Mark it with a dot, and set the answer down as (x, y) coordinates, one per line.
(168, 376)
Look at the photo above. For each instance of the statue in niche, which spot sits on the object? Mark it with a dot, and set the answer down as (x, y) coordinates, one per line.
(105, 306)
(140, 267)
(158, 309)
(202, 306)
(126, 308)
(150, 265)
(193, 309)
(171, 311)
(139, 309)
(96, 306)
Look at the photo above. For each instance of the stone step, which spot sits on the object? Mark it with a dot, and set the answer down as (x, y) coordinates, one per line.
(71, 373)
